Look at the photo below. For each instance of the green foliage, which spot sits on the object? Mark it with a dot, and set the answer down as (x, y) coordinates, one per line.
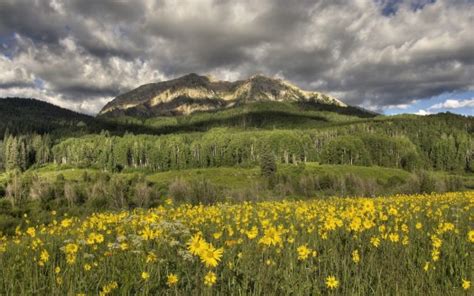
(21, 152)
(268, 165)
(384, 143)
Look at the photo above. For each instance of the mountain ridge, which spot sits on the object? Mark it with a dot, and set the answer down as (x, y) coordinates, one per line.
(190, 93)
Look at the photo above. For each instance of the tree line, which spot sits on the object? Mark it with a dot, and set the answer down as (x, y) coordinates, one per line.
(443, 142)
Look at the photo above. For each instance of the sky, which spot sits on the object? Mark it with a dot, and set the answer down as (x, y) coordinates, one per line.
(389, 56)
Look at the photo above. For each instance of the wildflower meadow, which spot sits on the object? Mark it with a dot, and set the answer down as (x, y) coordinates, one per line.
(400, 245)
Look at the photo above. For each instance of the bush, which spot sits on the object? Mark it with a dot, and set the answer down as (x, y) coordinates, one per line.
(142, 194)
(8, 224)
(427, 182)
(179, 190)
(454, 183)
(203, 191)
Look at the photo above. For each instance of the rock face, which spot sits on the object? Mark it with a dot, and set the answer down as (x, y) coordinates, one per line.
(193, 92)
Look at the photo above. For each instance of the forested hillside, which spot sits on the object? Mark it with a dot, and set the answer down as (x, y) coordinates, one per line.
(439, 142)
(21, 116)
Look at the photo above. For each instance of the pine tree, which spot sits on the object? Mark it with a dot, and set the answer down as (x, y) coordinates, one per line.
(268, 165)
(22, 160)
(11, 153)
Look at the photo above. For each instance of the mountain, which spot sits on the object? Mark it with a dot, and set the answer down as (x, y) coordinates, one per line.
(21, 115)
(192, 92)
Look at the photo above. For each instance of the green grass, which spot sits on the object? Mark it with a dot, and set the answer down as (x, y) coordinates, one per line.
(224, 176)
(373, 172)
(235, 177)
(50, 172)
(241, 177)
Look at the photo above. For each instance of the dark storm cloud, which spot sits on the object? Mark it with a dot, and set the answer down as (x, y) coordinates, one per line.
(371, 53)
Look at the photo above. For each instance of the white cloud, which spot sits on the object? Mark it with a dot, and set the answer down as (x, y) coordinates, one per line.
(399, 106)
(422, 112)
(454, 104)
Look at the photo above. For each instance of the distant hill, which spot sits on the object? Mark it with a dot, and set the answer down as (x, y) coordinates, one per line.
(26, 115)
(192, 93)
(20, 115)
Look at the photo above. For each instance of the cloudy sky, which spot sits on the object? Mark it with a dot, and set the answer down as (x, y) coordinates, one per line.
(414, 56)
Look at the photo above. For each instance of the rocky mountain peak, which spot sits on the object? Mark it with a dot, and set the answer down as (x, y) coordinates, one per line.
(193, 92)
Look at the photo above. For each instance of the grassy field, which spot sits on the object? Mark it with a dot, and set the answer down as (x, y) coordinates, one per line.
(231, 176)
(400, 245)
(234, 177)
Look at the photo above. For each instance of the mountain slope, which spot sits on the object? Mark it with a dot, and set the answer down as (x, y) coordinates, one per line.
(22, 115)
(25, 115)
(192, 93)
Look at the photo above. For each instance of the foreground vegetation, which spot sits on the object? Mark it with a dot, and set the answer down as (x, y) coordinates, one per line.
(81, 192)
(400, 245)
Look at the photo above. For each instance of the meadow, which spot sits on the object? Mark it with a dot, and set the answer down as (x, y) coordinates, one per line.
(397, 245)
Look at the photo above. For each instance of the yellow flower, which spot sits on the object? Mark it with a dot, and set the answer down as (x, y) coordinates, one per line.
(394, 237)
(332, 282)
(94, 238)
(87, 267)
(211, 256)
(108, 288)
(303, 252)
(466, 284)
(435, 254)
(149, 234)
(66, 223)
(271, 237)
(57, 270)
(210, 279)
(355, 256)
(197, 244)
(151, 257)
(252, 233)
(418, 225)
(470, 236)
(71, 248)
(71, 259)
(436, 241)
(145, 275)
(426, 267)
(31, 231)
(375, 241)
(172, 279)
(44, 256)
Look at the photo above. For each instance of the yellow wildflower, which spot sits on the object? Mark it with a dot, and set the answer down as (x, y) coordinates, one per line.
(303, 252)
(31, 231)
(466, 284)
(332, 282)
(355, 256)
(210, 279)
(145, 276)
(171, 280)
(211, 256)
